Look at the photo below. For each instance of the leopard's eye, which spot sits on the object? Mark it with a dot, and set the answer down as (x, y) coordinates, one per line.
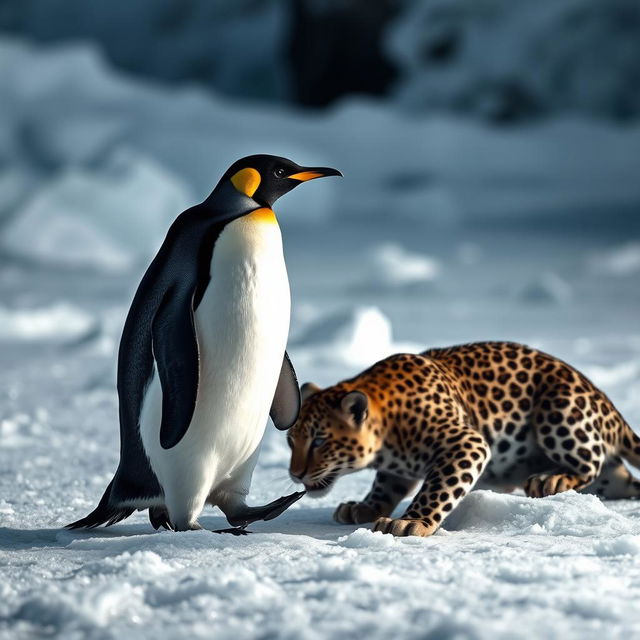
(317, 442)
(290, 441)
(279, 172)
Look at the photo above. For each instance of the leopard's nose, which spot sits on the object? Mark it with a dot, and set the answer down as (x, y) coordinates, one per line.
(296, 477)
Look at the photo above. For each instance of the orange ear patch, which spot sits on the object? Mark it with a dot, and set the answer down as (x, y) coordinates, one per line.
(246, 181)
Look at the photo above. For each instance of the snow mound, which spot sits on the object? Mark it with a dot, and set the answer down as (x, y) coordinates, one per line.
(242, 584)
(5, 507)
(619, 261)
(392, 266)
(59, 323)
(139, 564)
(103, 218)
(565, 514)
(65, 609)
(624, 545)
(356, 337)
(367, 539)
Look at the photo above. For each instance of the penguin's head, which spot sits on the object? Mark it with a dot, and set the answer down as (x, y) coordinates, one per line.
(265, 178)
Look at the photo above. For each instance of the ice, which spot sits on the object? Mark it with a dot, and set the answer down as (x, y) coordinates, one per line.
(355, 337)
(436, 169)
(392, 266)
(105, 220)
(61, 323)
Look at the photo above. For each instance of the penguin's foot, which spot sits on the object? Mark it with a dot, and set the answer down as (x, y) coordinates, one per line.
(235, 531)
(159, 517)
(186, 526)
(247, 515)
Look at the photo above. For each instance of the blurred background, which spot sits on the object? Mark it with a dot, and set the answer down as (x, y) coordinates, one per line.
(490, 150)
(491, 190)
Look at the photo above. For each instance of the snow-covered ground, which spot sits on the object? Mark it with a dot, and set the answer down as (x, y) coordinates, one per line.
(366, 281)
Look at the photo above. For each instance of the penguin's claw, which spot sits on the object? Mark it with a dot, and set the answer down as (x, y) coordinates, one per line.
(235, 531)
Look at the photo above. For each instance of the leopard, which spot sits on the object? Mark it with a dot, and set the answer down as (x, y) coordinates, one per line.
(485, 415)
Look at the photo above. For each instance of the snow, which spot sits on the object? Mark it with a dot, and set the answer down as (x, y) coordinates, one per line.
(60, 322)
(566, 514)
(502, 566)
(356, 337)
(393, 266)
(132, 203)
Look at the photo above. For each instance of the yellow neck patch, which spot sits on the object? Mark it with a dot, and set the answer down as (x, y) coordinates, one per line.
(246, 181)
(263, 215)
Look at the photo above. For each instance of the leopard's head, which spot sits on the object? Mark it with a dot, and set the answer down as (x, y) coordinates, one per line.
(334, 435)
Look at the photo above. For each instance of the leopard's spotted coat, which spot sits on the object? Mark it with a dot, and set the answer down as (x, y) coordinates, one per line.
(491, 414)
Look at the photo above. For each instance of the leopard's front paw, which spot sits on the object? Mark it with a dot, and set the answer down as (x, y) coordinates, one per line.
(400, 527)
(548, 484)
(354, 513)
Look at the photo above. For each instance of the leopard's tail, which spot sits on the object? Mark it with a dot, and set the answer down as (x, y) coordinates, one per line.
(630, 445)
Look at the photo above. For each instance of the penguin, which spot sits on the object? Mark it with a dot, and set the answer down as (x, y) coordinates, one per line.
(202, 360)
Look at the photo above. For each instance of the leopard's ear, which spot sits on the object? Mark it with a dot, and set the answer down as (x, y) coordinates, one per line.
(354, 408)
(308, 389)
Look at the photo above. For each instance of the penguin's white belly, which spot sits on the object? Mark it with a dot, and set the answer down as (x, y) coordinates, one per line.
(242, 324)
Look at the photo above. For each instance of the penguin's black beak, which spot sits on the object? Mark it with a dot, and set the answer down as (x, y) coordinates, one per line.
(311, 173)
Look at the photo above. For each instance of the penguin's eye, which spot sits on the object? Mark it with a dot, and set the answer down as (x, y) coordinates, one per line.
(317, 442)
(279, 172)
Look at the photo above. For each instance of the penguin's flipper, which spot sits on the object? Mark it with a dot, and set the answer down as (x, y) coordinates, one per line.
(175, 349)
(286, 401)
(267, 512)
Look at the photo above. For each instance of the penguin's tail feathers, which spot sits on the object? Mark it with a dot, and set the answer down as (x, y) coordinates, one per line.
(104, 514)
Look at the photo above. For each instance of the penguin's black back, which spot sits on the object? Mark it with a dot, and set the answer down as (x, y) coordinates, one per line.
(181, 269)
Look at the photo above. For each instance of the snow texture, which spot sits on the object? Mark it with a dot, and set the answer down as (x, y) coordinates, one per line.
(502, 566)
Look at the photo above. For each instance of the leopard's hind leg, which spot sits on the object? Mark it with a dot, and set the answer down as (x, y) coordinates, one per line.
(571, 441)
(614, 482)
